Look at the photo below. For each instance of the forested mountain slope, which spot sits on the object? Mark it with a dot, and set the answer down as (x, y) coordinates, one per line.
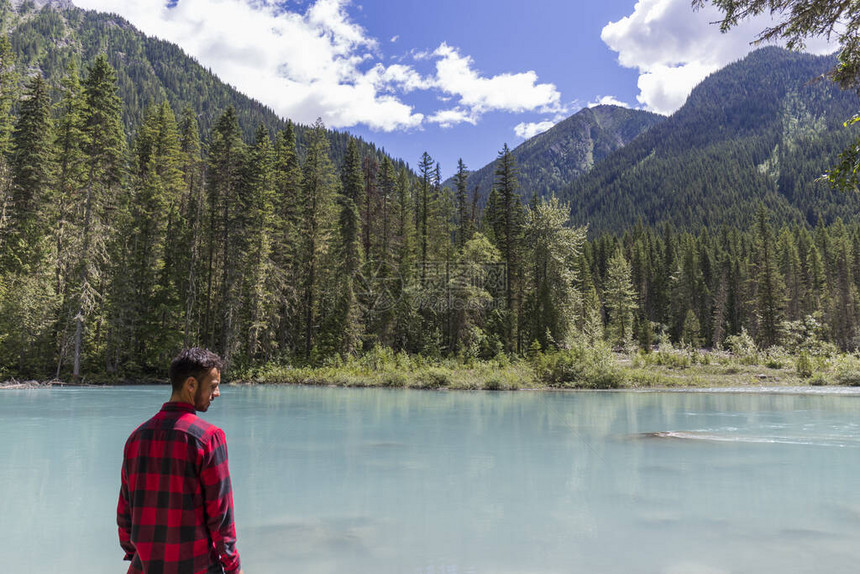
(549, 161)
(763, 129)
(48, 35)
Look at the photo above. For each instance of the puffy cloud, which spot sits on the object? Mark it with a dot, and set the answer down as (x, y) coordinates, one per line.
(397, 76)
(608, 101)
(528, 130)
(452, 117)
(503, 92)
(321, 64)
(675, 47)
(304, 65)
(664, 89)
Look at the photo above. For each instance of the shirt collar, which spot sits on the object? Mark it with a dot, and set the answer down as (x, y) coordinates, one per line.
(175, 406)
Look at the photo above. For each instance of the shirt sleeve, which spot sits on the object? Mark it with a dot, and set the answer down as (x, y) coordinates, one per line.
(123, 517)
(218, 500)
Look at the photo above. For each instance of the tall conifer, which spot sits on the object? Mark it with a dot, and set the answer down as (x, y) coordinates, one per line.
(224, 246)
(620, 299)
(316, 224)
(103, 148)
(32, 162)
(508, 219)
(258, 267)
(769, 283)
(287, 241)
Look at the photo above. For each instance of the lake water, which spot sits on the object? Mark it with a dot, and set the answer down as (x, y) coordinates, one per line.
(392, 481)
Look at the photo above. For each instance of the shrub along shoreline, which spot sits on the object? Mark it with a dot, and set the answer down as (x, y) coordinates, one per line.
(595, 367)
(581, 367)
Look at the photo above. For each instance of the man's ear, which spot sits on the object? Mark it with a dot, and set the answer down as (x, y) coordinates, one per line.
(191, 384)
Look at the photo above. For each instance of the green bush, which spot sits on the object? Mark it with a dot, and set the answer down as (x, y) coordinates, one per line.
(776, 358)
(668, 357)
(378, 358)
(818, 380)
(847, 378)
(493, 384)
(743, 347)
(804, 366)
(640, 378)
(394, 380)
(508, 380)
(497, 383)
(434, 378)
(580, 367)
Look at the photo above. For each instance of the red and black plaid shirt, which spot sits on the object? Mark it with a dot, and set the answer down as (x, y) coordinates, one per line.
(175, 511)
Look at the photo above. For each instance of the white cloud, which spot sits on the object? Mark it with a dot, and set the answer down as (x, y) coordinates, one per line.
(397, 76)
(322, 64)
(503, 92)
(608, 101)
(528, 130)
(675, 47)
(452, 117)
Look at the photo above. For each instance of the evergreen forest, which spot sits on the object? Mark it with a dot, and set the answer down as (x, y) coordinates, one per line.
(118, 248)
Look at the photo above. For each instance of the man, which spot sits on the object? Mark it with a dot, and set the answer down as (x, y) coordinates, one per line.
(175, 511)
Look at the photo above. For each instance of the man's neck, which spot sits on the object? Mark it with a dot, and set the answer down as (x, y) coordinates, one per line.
(180, 398)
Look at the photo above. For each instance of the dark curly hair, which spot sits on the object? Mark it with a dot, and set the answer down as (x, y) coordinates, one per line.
(193, 362)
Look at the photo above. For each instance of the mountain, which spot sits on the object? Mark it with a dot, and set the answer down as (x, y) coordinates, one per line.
(48, 34)
(763, 129)
(549, 161)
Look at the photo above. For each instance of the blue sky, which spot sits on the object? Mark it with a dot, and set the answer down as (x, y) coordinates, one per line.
(455, 79)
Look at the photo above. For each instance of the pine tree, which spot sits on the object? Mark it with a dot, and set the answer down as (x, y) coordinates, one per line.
(620, 300)
(843, 297)
(554, 251)
(688, 288)
(286, 242)
(224, 245)
(508, 219)
(690, 333)
(422, 210)
(187, 242)
(355, 175)
(70, 179)
(790, 268)
(388, 195)
(8, 98)
(103, 148)
(344, 329)
(258, 266)
(32, 162)
(815, 281)
(146, 314)
(769, 284)
(465, 225)
(720, 307)
(316, 226)
(28, 305)
(404, 250)
(368, 204)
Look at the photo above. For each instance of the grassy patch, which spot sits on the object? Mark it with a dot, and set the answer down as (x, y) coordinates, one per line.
(580, 367)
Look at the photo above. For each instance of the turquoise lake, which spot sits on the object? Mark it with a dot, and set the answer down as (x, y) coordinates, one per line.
(392, 481)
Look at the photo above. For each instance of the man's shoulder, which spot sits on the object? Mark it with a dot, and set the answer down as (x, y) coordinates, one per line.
(186, 423)
(193, 425)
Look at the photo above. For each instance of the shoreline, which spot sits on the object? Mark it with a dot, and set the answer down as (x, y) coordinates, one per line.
(13, 384)
(486, 377)
(580, 368)
(740, 389)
